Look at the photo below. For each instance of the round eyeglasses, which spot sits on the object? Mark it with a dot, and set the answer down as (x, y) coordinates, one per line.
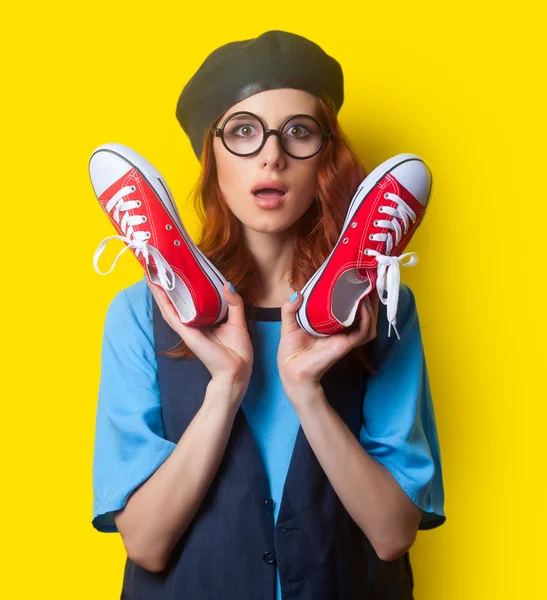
(244, 134)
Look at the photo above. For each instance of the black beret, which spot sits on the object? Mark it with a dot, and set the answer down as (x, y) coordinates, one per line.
(237, 70)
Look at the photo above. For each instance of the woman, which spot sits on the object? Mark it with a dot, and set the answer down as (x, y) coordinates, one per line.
(256, 461)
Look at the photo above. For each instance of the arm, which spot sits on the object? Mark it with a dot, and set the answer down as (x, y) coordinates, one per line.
(145, 486)
(159, 511)
(366, 488)
(390, 480)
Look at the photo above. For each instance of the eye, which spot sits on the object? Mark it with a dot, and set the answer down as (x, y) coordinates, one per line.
(298, 130)
(243, 131)
(301, 127)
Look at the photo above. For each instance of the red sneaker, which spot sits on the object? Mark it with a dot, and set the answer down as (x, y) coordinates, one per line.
(139, 204)
(383, 215)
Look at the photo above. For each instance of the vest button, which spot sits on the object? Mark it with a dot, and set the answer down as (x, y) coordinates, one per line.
(269, 504)
(269, 558)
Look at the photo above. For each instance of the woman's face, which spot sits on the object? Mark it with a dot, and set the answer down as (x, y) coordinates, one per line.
(238, 175)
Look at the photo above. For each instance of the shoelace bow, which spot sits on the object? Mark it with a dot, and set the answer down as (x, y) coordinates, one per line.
(389, 273)
(134, 239)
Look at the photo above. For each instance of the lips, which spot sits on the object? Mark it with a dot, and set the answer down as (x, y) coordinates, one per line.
(269, 187)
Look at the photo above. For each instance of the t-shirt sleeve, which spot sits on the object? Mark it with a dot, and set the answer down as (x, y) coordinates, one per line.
(130, 444)
(399, 428)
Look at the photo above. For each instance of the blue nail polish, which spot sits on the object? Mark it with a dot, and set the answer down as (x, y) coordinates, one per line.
(232, 288)
(293, 297)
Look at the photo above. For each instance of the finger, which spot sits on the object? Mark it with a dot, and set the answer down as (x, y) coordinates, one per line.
(236, 307)
(375, 302)
(161, 299)
(164, 304)
(367, 308)
(365, 314)
(195, 338)
(288, 315)
(371, 318)
(361, 334)
(167, 310)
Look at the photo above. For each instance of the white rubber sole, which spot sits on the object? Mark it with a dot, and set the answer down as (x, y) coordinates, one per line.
(366, 186)
(155, 179)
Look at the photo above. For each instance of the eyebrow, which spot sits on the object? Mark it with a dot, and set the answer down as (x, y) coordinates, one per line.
(239, 117)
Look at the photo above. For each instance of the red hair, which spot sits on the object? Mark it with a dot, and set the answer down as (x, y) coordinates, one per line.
(338, 176)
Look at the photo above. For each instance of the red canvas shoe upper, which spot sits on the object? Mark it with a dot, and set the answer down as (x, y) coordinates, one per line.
(148, 229)
(370, 248)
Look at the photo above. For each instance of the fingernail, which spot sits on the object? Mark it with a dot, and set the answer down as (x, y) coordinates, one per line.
(232, 288)
(293, 297)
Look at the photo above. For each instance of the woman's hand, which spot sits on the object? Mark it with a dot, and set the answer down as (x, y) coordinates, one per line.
(302, 359)
(225, 349)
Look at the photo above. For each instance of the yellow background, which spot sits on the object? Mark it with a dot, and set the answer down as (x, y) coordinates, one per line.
(459, 84)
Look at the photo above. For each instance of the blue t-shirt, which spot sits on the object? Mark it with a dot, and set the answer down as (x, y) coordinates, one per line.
(398, 427)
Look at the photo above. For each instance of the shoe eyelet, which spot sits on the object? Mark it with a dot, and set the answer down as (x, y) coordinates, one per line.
(133, 188)
(386, 195)
(169, 227)
(375, 222)
(365, 251)
(139, 203)
(148, 234)
(354, 224)
(177, 242)
(345, 241)
(380, 209)
(370, 237)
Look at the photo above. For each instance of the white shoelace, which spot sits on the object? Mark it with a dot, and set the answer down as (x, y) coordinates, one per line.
(389, 274)
(134, 239)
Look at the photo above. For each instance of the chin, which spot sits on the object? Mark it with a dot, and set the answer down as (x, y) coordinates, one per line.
(270, 223)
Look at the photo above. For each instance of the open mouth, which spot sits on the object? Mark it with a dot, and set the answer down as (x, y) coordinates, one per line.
(268, 193)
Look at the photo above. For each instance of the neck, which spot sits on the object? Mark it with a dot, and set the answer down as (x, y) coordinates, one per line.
(273, 256)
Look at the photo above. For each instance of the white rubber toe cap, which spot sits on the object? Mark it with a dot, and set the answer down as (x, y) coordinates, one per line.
(415, 176)
(105, 168)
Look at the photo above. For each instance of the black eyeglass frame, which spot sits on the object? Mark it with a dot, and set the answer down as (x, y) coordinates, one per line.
(325, 136)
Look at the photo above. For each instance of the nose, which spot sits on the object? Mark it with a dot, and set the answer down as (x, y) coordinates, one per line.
(271, 152)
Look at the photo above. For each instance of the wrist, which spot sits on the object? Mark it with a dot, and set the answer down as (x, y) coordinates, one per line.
(231, 390)
(306, 394)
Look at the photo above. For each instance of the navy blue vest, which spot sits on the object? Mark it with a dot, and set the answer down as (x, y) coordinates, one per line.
(232, 547)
